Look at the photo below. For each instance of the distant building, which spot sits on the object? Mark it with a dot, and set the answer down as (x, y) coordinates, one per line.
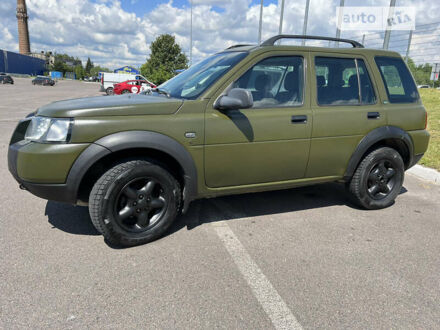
(127, 69)
(46, 56)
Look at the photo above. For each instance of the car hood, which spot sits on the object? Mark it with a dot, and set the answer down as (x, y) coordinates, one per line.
(116, 105)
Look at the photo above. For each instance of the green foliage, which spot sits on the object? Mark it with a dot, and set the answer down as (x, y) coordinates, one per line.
(422, 73)
(431, 101)
(89, 65)
(65, 63)
(96, 69)
(166, 57)
(79, 72)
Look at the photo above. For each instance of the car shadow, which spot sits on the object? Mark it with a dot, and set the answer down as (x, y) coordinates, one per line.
(76, 219)
(70, 218)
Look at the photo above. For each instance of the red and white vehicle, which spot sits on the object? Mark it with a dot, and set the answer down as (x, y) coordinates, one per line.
(132, 86)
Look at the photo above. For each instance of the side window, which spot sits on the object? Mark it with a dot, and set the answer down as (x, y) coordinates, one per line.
(397, 79)
(336, 81)
(367, 90)
(275, 82)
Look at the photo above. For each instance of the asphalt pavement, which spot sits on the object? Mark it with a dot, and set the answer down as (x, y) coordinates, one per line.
(299, 258)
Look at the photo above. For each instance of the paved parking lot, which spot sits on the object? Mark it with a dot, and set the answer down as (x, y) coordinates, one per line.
(302, 258)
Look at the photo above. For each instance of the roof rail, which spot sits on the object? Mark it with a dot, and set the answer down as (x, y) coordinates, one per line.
(271, 41)
(239, 45)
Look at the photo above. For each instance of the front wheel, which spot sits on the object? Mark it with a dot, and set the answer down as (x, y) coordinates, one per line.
(134, 203)
(378, 179)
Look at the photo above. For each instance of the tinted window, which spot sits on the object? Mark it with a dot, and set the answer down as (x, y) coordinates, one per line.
(367, 90)
(275, 82)
(337, 81)
(397, 79)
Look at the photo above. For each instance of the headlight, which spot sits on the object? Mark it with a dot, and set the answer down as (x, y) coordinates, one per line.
(43, 129)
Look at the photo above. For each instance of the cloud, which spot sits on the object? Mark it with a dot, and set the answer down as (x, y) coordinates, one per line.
(113, 37)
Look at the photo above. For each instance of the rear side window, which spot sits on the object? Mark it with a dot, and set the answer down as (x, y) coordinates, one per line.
(343, 81)
(397, 79)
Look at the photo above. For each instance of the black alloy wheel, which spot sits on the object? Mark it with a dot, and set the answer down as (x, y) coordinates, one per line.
(140, 205)
(381, 180)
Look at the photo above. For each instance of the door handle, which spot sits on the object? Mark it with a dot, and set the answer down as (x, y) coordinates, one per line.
(301, 119)
(373, 115)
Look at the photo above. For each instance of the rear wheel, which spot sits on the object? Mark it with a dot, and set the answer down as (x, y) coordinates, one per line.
(134, 203)
(378, 179)
(109, 91)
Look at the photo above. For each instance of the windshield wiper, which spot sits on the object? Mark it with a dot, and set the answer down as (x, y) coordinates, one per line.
(161, 91)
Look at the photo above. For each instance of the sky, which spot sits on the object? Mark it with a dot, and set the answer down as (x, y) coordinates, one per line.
(114, 33)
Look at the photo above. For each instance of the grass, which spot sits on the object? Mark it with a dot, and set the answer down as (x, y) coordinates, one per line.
(431, 101)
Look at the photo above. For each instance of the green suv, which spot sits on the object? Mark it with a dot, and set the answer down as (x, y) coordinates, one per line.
(247, 119)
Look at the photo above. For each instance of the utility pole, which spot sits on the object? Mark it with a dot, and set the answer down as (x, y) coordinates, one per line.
(261, 22)
(338, 30)
(386, 39)
(363, 39)
(409, 45)
(306, 17)
(191, 35)
(280, 31)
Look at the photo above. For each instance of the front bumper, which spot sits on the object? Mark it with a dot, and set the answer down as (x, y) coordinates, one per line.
(57, 191)
(43, 169)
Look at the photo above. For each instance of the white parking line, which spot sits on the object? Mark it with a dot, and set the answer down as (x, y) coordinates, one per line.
(263, 290)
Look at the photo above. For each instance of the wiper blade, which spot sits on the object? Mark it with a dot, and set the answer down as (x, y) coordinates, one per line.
(161, 91)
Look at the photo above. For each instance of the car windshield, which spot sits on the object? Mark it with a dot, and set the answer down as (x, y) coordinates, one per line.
(194, 81)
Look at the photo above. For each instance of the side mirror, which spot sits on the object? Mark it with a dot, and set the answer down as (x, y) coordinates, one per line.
(236, 98)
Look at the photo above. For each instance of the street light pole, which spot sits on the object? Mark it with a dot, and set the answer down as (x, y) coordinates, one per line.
(338, 30)
(261, 22)
(386, 39)
(280, 31)
(191, 35)
(306, 17)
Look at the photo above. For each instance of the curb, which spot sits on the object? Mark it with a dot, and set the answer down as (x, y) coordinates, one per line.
(425, 173)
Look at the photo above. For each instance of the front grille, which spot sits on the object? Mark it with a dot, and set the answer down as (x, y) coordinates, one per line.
(20, 131)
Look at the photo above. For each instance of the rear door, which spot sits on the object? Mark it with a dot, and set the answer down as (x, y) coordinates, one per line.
(345, 107)
(266, 143)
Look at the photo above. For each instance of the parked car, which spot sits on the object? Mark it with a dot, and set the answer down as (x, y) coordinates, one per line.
(132, 86)
(43, 80)
(6, 79)
(247, 119)
(108, 80)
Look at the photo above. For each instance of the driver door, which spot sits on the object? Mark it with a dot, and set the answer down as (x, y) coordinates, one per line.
(269, 142)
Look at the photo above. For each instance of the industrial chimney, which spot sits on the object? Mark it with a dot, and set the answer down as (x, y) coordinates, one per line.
(23, 31)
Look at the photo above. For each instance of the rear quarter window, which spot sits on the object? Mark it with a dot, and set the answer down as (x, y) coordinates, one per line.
(397, 79)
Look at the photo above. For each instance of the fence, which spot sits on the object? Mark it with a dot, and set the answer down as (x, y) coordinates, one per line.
(16, 63)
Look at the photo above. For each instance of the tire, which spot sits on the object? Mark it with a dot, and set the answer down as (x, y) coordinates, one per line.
(109, 91)
(378, 179)
(134, 203)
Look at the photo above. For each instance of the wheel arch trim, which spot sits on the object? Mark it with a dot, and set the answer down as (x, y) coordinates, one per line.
(373, 137)
(136, 140)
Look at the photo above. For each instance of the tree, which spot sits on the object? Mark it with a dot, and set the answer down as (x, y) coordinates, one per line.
(97, 69)
(79, 72)
(166, 57)
(89, 65)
